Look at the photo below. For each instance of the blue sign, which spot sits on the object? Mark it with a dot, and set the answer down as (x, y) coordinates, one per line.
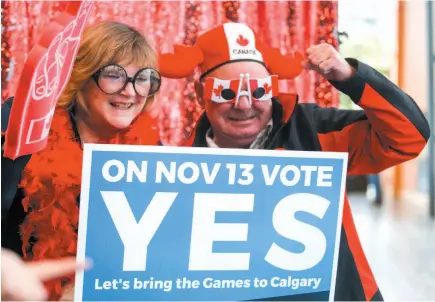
(186, 224)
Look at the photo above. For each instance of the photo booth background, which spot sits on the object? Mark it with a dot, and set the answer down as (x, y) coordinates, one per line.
(289, 25)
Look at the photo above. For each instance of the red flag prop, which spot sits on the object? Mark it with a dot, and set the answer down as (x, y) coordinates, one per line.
(44, 76)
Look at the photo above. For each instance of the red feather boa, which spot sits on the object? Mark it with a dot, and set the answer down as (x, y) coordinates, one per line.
(51, 182)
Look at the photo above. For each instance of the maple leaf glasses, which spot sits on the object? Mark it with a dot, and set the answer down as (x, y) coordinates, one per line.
(112, 79)
(225, 91)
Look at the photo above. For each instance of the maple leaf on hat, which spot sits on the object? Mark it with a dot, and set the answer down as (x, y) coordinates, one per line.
(242, 41)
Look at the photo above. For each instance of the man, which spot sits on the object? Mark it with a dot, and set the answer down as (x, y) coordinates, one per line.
(243, 109)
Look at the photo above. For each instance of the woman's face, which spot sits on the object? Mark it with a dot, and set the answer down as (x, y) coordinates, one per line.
(109, 112)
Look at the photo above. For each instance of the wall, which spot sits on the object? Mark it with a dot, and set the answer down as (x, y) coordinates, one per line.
(416, 59)
(415, 80)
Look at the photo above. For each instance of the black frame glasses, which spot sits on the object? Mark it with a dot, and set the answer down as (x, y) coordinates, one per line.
(153, 80)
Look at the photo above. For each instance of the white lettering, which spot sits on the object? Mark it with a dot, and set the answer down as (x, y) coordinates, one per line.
(186, 173)
(269, 179)
(209, 178)
(97, 285)
(120, 172)
(136, 236)
(308, 170)
(232, 173)
(246, 173)
(141, 173)
(182, 173)
(323, 176)
(205, 231)
(162, 170)
(287, 226)
(249, 178)
(153, 284)
(113, 284)
(296, 175)
(239, 283)
(295, 283)
(316, 282)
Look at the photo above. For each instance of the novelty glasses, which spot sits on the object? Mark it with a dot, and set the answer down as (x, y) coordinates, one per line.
(229, 91)
(112, 79)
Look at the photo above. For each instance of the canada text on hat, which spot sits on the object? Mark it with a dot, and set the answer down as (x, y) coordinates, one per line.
(229, 42)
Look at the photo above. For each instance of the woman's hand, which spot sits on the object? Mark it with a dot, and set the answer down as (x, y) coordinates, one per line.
(25, 281)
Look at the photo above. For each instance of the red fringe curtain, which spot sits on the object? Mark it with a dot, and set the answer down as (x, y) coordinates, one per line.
(289, 25)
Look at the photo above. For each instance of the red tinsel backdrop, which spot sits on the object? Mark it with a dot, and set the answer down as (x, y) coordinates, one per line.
(289, 25)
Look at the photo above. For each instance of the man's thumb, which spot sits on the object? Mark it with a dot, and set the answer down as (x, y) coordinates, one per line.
(307, 65)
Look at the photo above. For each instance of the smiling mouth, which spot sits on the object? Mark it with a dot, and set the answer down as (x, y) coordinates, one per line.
(241, 119)
(122, 106)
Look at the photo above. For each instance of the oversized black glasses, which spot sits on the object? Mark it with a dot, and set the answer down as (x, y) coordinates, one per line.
(112, 79)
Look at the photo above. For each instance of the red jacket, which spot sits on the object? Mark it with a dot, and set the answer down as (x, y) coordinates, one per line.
(389, 130)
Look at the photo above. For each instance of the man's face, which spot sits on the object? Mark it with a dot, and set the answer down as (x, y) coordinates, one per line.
(237, 126)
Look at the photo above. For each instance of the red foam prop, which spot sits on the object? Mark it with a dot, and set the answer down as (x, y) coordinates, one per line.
(44, 76)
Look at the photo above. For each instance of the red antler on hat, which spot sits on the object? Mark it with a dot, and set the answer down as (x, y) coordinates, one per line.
(230, 42)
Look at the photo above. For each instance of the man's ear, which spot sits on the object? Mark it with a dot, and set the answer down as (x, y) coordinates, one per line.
(199, 92)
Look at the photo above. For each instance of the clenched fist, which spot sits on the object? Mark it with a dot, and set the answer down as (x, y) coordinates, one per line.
(326, 60)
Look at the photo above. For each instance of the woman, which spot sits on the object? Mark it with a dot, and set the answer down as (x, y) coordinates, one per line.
(113, 82)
